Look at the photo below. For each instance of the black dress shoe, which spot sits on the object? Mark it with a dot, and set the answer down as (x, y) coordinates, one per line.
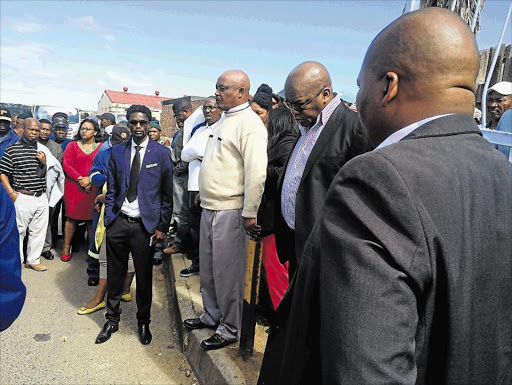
(215, 342)
(144, 334)
(93, 281)
(157, 261)
(195, 323)
(106, 332)
(48, 255)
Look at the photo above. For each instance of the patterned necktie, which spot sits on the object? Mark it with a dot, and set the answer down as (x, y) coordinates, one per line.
(134, 176)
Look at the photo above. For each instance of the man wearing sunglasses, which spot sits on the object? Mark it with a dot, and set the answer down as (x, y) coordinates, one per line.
(138, 208)
(331, 135)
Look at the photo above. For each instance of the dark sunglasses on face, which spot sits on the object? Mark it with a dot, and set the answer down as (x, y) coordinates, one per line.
(141, 122)
(301, 106)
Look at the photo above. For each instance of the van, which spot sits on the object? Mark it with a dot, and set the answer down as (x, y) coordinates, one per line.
(46, 112)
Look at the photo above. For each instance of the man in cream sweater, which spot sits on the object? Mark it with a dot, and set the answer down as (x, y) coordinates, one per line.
(231, 183)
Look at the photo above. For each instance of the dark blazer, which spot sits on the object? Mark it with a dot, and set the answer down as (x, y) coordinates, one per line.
(154, 190)
(342, 139)
(406, 279)
(277, 156)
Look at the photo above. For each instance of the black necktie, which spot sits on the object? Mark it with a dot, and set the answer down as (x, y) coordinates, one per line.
(134, 176)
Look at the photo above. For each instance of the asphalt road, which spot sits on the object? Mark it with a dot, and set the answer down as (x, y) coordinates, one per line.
(50, 344)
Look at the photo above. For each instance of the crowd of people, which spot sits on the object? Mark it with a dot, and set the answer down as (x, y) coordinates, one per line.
(386, 229)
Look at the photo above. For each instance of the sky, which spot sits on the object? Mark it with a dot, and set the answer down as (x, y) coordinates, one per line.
(68, 52)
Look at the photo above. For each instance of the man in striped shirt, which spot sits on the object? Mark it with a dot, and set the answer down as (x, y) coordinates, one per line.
(23, 175)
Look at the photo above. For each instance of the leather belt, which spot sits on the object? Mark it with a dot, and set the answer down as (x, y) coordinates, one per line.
(130, 219)
(31, 193)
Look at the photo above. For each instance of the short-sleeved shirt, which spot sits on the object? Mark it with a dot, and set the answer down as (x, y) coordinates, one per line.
(20, 164)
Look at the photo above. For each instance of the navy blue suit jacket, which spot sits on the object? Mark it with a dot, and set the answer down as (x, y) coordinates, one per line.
(154, 190)
(12, 289)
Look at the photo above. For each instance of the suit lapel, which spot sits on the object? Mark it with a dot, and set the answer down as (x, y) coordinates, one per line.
(325, 137)
(127, 153)
(147, 155)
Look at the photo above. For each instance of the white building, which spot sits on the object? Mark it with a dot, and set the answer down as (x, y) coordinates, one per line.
(118, 102)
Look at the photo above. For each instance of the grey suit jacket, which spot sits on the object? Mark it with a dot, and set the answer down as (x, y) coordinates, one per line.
(407, 277)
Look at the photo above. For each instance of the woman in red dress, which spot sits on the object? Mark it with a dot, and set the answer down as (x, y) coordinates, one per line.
(79, 193)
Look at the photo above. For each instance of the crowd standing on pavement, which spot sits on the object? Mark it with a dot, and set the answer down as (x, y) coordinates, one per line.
(385, 224)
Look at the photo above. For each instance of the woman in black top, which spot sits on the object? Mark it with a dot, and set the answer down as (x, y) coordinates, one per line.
(282, 134)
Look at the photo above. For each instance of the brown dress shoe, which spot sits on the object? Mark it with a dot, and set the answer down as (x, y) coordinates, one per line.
(37, 267)
(173, 250)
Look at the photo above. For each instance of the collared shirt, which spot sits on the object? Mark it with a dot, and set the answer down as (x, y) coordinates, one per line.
(19, 162)
(238, 108)
(402, 133)
(299, 159)
(132, 209)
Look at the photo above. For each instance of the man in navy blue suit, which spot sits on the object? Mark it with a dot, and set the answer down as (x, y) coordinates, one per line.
(138, 205)
(12, 289)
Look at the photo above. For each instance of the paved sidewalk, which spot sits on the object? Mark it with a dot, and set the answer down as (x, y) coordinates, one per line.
(50, 344)
(216, 367)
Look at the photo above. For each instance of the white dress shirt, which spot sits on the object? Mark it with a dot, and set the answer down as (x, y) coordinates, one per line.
(193, 153)
(402, 133)
(132, 209)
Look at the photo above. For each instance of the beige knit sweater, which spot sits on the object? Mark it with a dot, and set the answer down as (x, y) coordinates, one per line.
(234, 164)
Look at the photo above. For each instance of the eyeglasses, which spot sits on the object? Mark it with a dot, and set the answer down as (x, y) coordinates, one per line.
(141, 122)
(87, 129)
(296, 107)
(211, 108)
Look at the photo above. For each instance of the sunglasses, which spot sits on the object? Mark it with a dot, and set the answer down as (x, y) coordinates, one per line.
(301, 107)
(141, 122)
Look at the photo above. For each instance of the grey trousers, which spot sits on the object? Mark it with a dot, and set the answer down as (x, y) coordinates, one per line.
(222, 260)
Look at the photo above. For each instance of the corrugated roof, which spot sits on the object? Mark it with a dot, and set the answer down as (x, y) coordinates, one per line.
(131, 98)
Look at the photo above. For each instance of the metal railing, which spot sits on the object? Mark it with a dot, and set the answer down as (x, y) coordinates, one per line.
(491, 69)
(499, 138)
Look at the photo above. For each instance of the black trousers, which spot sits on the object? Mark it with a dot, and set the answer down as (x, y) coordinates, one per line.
(124, 237)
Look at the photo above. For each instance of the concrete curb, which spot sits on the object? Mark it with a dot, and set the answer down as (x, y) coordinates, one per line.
(217, 367)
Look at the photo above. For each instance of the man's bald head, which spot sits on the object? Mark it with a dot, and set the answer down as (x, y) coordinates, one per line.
(308, 89)
(423, 64)
(232, 89)
(31, 130)
(30, 122)
(307, 77)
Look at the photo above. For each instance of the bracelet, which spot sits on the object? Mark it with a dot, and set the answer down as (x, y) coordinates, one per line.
(13, 191)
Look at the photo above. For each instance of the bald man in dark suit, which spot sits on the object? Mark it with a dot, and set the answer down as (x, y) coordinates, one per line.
(406, 278)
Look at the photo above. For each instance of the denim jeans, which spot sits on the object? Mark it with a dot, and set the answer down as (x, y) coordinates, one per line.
(181, 211)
